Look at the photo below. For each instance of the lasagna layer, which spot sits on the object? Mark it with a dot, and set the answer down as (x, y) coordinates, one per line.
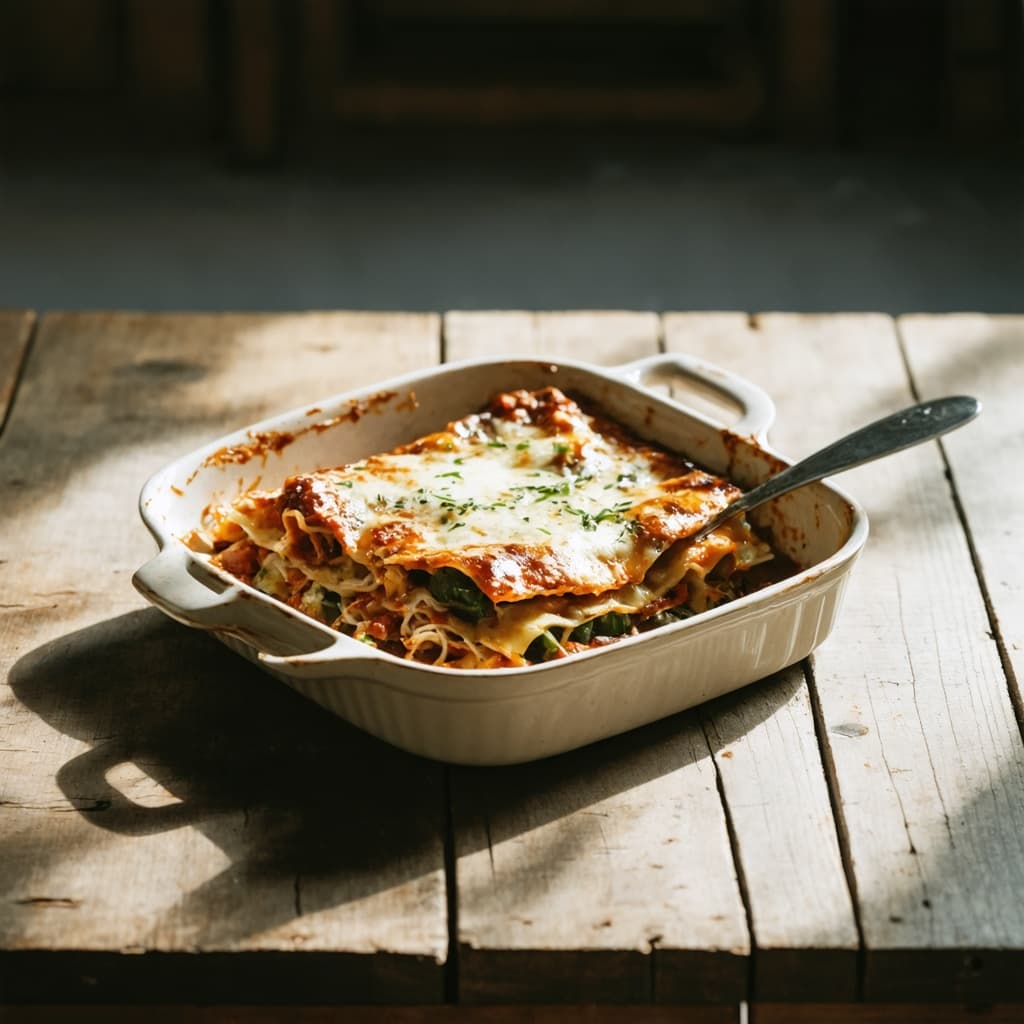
(528, 530)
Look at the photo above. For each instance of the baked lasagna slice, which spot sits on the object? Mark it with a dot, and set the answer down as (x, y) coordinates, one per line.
(525, 532)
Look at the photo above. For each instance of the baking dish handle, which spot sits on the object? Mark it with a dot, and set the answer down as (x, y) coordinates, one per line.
(757, 410)
(183, 588)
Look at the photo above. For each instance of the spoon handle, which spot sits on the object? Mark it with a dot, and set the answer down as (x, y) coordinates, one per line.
(883, 437)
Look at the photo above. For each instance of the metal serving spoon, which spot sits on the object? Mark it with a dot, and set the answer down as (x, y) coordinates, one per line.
(883, 437)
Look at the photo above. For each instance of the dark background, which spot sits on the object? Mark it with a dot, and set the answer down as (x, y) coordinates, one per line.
(742, 154)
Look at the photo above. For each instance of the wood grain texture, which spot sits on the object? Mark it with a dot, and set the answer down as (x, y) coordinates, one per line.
(603, 875)
(159, 797)
(16, 326)
(920, 732)
(156, 792)
(773, 780)
(801, 911)
(606, 337)
(983, 356)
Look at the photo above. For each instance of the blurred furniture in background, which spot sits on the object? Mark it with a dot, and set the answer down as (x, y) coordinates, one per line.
(259, 75)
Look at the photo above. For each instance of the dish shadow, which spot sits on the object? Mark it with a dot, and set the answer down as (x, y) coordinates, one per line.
(297, 799)
(287, 793)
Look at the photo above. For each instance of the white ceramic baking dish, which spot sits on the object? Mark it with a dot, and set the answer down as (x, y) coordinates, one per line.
(506, 716)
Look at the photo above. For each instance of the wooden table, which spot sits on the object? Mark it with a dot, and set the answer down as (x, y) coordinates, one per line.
(177, 828)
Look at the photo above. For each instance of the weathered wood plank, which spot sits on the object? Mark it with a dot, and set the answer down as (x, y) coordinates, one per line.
(606, 337)
(572, 872)
(157, 793)
(16, 327)
(766, 750)
(775, 789)
(983, 356)
(927, 756)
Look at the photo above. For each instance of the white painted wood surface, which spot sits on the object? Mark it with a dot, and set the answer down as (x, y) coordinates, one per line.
(777, 796)
(155, 792)
(970, 353)
(773, 779)
(920, 732)
(607, 337)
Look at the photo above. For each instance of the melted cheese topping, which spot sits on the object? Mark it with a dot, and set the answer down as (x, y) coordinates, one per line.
(529, 500)
(558, 517)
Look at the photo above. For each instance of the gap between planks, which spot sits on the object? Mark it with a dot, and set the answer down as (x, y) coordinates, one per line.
(921, 324)
(929, 787)
(134, 391)
(516, 822)
(17, 333)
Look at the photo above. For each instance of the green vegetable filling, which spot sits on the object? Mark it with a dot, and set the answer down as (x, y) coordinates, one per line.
(330, 606)
(541, 648)
(457, 591)
(609, 624)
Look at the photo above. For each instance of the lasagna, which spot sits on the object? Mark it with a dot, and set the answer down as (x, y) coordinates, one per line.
(529, 531)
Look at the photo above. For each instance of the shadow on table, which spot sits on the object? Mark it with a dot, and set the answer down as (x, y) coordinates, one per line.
(313, 814)
(296, 799)
(293, 797)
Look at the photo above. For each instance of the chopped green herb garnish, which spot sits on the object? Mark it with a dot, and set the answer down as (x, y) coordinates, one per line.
(496, 444)
(522, 445)
(546, 491)
(590, 520)
(454, 473)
